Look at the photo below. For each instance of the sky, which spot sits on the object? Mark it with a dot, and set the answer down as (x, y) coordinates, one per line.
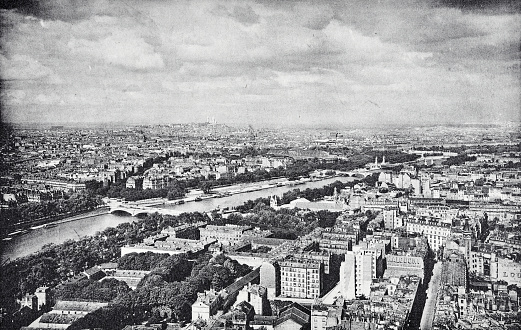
(264, 63)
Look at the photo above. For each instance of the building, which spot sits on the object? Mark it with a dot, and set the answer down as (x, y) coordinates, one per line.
(356, 275)
(301, 278)
(171, 246)
(134, 182)
(64, 313)
(324, 317)
(293, 317)
(155, 181)
(187, 231)
(505, 269)
(324, 257)
(43, 296)
(94, 273)
(407, 257)
(257, 296)
(436, 232)
(131, 277)
(391, 218)
(270, 278)
(226, 235)
(206, 305)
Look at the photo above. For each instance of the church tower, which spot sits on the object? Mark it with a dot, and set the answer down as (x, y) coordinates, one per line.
(274, 203)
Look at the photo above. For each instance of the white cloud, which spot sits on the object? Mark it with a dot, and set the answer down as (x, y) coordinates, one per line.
(282, 58)
(22, 67)
(120, 48)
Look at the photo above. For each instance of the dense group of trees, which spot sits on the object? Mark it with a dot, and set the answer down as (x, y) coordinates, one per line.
(56, 263)
(459, 159)
(90, 290)
(284, 223)
(141, 261)
(176, 189)
(172, 296)
(70, 204)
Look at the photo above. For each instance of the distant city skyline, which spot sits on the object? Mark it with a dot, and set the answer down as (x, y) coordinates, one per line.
(265, 63)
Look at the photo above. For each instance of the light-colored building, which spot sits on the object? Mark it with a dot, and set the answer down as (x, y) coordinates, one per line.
(356, 274)
(156, 181)
(301, 278)
(226, 235)
(256, 295)
(505, 269)
(391, 219)
(270, 278)
(206, 305)
(323, 317)
(436, 232)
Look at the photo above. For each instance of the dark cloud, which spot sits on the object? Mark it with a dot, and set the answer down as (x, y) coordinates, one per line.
(66, 10)
(245, 15)
(242, 14)
(491, 6)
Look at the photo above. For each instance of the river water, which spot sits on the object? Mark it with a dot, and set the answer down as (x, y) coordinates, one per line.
(31, 242)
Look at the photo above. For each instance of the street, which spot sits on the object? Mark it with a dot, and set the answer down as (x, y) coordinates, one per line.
(430, 304)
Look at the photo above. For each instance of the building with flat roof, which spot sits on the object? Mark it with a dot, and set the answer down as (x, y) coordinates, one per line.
(226, 235)
(435, 231)
(301, 278)
(356, 275)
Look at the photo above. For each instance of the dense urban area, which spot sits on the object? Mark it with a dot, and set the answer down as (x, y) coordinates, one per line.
(413, 228)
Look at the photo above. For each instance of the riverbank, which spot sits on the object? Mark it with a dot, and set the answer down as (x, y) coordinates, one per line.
(242, 188)
(89, 224)
(27, 226)
(88, 214)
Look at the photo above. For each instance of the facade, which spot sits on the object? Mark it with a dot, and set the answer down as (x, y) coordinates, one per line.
(206, 305)
(156, 181)
(404, 264)
(187, 231)
(324, 317)
(391, 219)
(256, 295)
(134, 182)
(270, 278)
(324, 257)
(301, 278)
(356, 275)
(436, 232)
(226, 235)
(505, 269)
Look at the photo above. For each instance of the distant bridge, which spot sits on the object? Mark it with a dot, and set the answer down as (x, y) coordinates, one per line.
(135, 210)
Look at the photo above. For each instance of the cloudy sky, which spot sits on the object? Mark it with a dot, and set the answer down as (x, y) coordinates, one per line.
(351, 62)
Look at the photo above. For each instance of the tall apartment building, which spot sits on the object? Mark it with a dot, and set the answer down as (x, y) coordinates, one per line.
(391, 218)
(301, 278)
(356, 274)
(323, 256)
(270, 278)
(436, 232)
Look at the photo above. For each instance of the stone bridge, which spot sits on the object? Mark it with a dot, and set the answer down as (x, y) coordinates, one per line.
(135, 210)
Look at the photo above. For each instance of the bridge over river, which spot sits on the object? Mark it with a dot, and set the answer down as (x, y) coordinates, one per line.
(135, 209)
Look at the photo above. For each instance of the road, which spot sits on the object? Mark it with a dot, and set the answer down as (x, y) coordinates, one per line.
(432, 294)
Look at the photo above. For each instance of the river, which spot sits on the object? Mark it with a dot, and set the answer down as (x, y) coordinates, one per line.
(32, 241)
